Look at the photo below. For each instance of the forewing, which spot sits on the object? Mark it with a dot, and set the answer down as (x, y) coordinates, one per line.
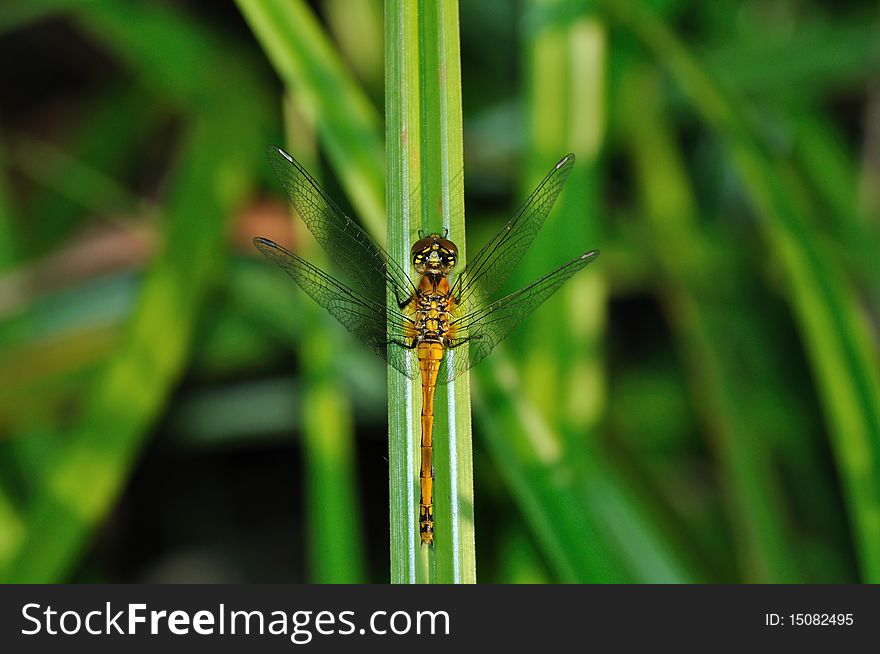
(364, 317)
(492, 265)
(485, 327)
(349, 246)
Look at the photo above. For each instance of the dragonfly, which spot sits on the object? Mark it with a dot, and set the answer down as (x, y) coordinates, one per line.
(434, 324)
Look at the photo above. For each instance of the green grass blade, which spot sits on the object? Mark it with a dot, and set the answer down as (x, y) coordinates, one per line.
(11, 528)
(745, 448)
(333, 517)
(101, 142)
(528, 454)
(71, 178)
(348, 126)
(357, 27)
(424, 191)
(819, 55)
(829, 317)
(563, 372)
(401, 117)
(563, 365)
(8, 246)
(12, 531)
(85, 476)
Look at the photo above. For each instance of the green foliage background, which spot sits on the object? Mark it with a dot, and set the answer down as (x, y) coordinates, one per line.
(701, 405)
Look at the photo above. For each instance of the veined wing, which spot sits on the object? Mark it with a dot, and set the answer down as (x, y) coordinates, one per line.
(363, 316)
(490, 268)
(485, 327)
(356, 254)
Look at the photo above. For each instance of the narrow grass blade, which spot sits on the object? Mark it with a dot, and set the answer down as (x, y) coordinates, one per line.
(8, 246)
(563, 367)
(335, 530)
(563, 370)
(82, 479)
(357, 27)
(102, 142)
(12, 531)
(401, 119)
(745, 449)
(830, 320)
(348, 126)
(78, 182)
(424, 192)
(85, 476)
(529, 456)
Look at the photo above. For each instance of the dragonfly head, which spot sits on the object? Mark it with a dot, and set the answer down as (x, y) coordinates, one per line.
(434, 254)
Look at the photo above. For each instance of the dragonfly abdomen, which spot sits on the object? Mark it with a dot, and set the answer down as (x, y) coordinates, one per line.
(430, 355)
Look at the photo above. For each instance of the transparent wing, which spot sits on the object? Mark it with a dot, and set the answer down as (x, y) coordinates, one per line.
(482, 329)
(490, 268)
(349, 246)
(364, 317)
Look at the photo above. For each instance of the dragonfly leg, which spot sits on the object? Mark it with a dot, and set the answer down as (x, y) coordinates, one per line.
(408, 346)
(454, 344)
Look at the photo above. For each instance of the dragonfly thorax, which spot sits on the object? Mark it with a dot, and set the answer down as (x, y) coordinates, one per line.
(433, 308)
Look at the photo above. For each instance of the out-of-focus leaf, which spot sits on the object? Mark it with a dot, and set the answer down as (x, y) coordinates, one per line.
(84, 477)
(332, 502)
(813, 59)
(708, 335)
(831, 322)
(8, 244)
(15, 15)
(348, 126)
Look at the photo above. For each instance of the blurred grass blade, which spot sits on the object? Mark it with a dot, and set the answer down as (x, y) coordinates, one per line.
(563, 370)
(102, 142)
(348, 126)
(817, 56)
(424, 192)
(754, 490)
(71, 178)
(84, 477)
(12, 531)
(830, 171)
(519, 561)
(16, 15)
(357, 28)
(831, 322)
(8, 246)
(601, 536)
(333, 515)
(528, 454)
